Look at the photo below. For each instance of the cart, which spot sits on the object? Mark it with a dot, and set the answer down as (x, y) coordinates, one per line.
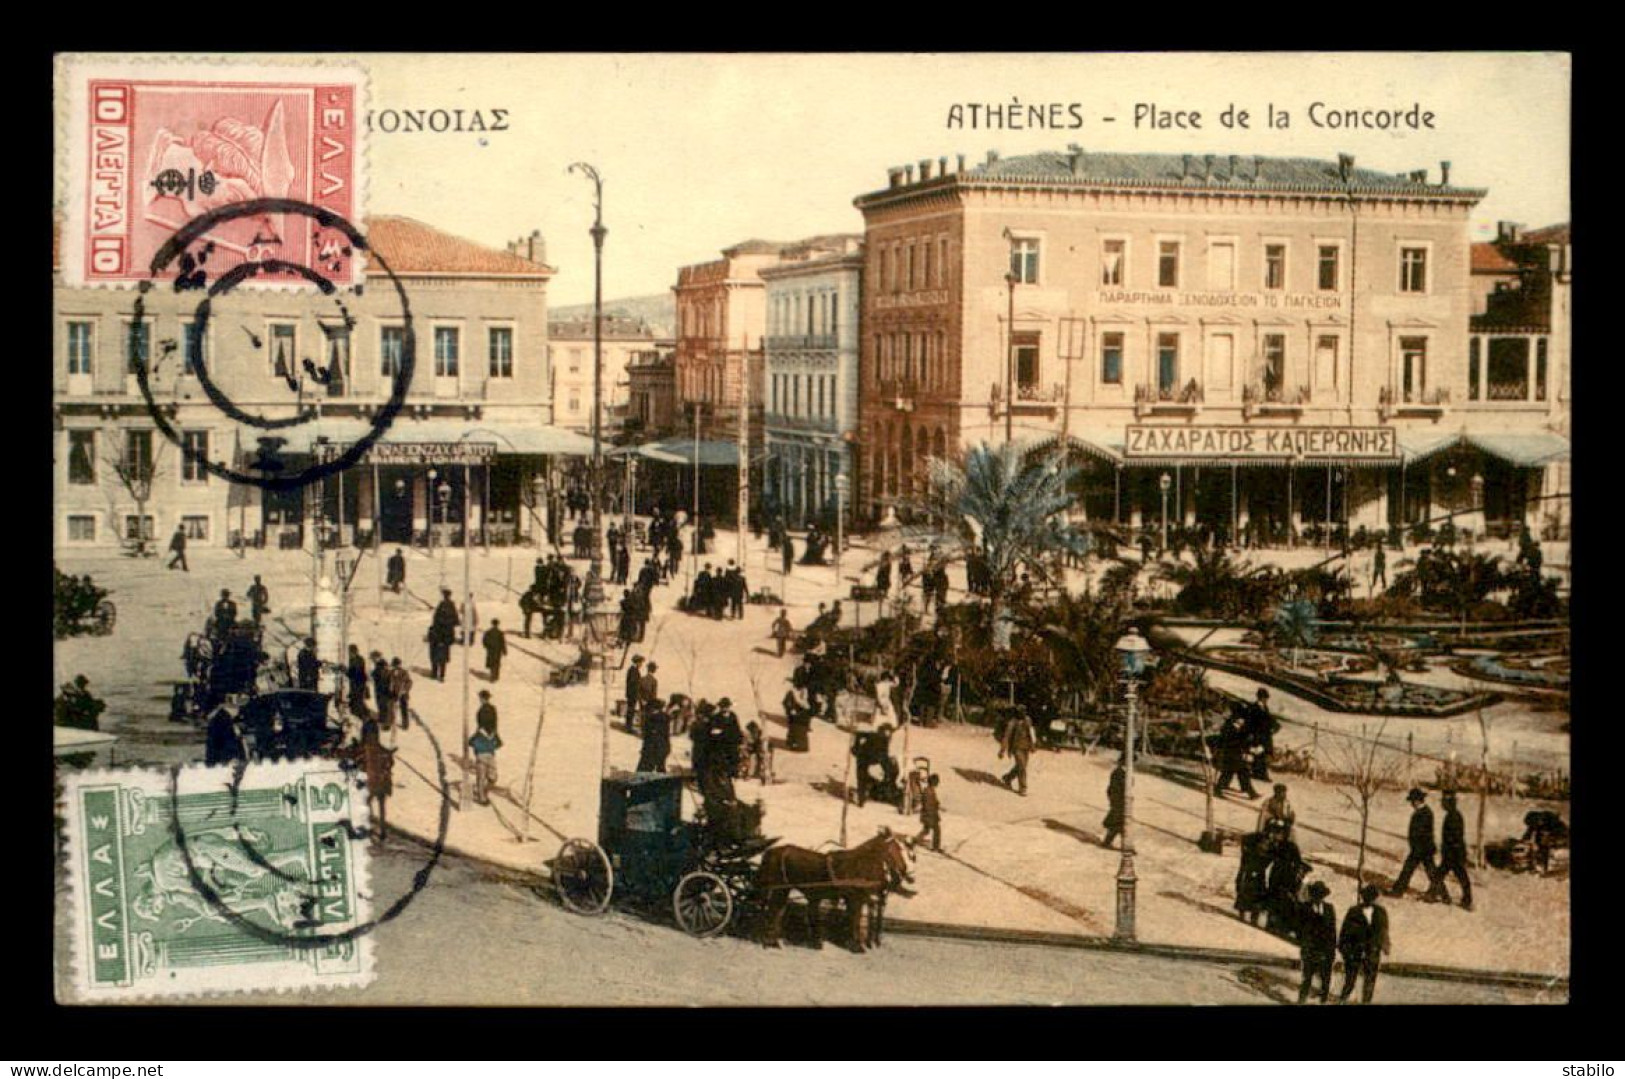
(218, 666)
(646, 853)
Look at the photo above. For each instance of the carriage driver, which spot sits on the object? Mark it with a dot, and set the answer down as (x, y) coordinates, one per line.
(875, 749)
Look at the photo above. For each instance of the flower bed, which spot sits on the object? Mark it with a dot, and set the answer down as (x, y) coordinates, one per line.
(1326, 681)
(1541, 672)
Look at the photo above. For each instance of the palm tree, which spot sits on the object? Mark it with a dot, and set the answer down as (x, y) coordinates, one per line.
(1081, 633)
(1298, 623)
(1212, 583)
(1011, 509)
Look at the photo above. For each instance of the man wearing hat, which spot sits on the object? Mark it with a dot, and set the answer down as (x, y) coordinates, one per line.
(1363, 942)
(1261, 728)
(634, 691)
(442, 632)
(1453, 850)
(485, 742)
(1422, 849)
(649, 689)
(1018, 741)
(1317, 941)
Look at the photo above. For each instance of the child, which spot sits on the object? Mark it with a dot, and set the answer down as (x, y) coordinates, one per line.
(931, 814)
(756, 752)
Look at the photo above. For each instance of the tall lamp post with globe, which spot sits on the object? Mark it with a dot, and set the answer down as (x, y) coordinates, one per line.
(1131, 649)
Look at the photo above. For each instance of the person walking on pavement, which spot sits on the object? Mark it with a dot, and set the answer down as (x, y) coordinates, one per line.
(1422, 849)
(1116, 802)
(1261, 728)
(383, 690)
(656, 738)
(1453, 850)
(787, 553)
(1233, 742)
(259, 600)
(1317, 942)
(496, 646)
(931, 814)
(225, 613)
(378, 765)
(177, 547)
(485, 770)
(782, 630)
(308, 667)
(1379, 567)
(648, 689)
(1278, 811)
(355, 675)
(397, 572)
(400, 688)
(442, 632)
(1363, 942)
(634, 694)
(1018, 741)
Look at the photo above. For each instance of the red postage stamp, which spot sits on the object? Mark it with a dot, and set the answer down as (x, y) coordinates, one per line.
(157, 147)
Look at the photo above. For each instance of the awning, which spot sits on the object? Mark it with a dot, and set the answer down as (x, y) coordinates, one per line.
(680, 451)
(1522, 450)
(513, 438)
(1096, 444)
(1417, 446)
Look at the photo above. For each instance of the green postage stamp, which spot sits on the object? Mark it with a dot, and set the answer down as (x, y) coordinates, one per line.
(209, 880)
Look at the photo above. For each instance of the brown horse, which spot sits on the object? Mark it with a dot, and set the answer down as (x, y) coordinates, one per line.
(860, 877)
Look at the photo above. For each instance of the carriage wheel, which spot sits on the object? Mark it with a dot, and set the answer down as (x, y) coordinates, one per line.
(105, 614)
(583, 877)
(703, 904)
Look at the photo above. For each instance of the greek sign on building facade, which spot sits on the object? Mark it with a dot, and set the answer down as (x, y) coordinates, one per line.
(1226, 442)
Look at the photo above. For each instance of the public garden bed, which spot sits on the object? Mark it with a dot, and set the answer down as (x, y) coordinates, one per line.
(1548, 671)
(1334, 687)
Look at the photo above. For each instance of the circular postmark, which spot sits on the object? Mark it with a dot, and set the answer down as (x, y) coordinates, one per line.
(304, 890)
(187, 253)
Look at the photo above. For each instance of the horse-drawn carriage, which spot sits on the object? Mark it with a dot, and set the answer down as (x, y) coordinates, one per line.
(81, 607)
(221, 662)
(717, 867)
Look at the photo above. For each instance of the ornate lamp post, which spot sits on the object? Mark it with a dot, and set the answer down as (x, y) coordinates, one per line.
(598, 232)
(1131, 649)
(1163, 483)
(1480, 523)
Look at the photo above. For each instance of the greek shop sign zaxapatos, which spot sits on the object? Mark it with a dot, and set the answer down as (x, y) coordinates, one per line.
(1224, 443)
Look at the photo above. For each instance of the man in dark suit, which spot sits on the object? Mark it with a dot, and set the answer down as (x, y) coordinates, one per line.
(1363, 942)
(1453, 851)
(634, 691)
(442, 632)
(1422, 849)
(225, 613)
(1317, 941)
(496, 646)
(397, 571)
(309, 667)
(1116, 803)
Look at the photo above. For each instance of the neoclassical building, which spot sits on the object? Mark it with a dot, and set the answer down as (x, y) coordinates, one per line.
(1286, 340)
(462, 460)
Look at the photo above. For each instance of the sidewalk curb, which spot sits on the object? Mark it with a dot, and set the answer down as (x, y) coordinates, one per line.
(945, 931)
(1044, 939)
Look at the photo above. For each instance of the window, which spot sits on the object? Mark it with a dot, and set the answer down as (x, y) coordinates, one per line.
(1540, 369)
(1111, 358)
(338, 357)
(925, 255)
(284, 348)
(1474, 352)
(1221, 360)
(447, 346)
(1274, 267)
(81, 457)
(1413, 269)
(1274, 362)
(501, 351)
(138, 456)
(197, 334)
(575, 360)
(1112, 256)
(1024, 261)
(1326, 361)
(196, 452)
(1413, 362)
(575, 401)
(942, 260)
(81, 529)
(196, 528)
(391, 350)
(908, 264)
(1026, 364)
(138, 528)
(795, 395)
(834, 320)
(1326, 280)
(811, 306)
(1168, 264)
(79, 357)
(1221, 266)
(1507, 375)
(137, 345)
(1167, 362)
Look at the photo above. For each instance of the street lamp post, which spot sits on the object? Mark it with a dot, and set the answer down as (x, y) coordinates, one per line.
(1010, 354)
(1163, 483)
(1481, 525)
(840, 523)
(1131, 649)
(598, 232)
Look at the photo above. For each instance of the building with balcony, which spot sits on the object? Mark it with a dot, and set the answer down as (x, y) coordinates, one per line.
(570, 346)
(462, 460)
(651, 377)
(811, 397)
(1286, 339)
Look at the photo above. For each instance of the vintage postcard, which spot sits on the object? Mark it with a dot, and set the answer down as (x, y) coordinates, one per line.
(895, 528)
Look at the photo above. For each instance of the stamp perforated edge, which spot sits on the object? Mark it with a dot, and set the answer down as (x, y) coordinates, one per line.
(191, 779)
(74, 70)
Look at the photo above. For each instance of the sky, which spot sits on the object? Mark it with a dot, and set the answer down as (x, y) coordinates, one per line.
(698, 152)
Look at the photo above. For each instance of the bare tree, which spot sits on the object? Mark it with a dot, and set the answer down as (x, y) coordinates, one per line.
(1360, 774)
(132, 479)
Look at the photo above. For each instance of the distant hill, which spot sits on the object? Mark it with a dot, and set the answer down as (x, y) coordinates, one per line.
(658, 310)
